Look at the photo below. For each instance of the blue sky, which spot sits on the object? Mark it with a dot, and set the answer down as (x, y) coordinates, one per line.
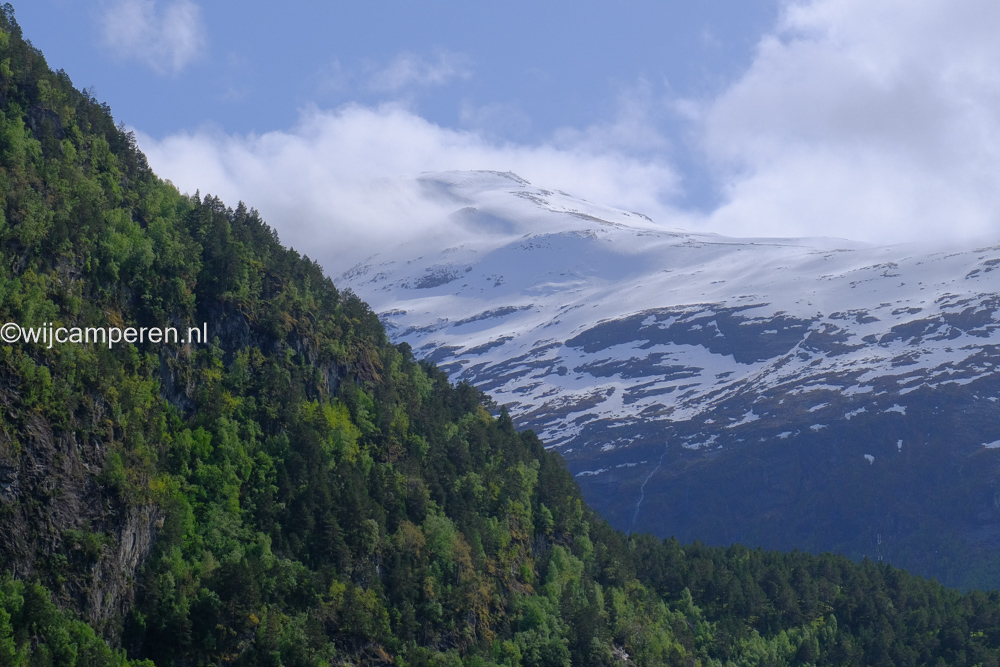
(876, 121)
(250, 66)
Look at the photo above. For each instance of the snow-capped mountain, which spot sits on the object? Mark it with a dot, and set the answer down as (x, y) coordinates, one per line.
(801, 393)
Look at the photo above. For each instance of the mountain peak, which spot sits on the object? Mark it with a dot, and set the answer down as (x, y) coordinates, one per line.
(638, 351)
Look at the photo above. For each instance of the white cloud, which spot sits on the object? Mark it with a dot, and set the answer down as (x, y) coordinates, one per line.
(410, 70)
(166, 39)
(340, 184)
(873, 120)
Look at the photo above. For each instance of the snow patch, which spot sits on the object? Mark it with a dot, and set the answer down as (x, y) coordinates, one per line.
(748, 417)
(699, 445)
(854, 413)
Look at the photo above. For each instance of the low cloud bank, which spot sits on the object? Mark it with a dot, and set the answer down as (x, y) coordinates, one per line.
(873, 121)
(341, 184)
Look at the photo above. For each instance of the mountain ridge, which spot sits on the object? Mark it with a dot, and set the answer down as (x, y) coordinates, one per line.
(625, 345)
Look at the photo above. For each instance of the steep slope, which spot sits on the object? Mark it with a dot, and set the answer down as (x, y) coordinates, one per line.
(794, 393)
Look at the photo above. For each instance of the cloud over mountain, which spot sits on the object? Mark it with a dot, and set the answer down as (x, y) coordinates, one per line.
(873, 121)
(339, 182)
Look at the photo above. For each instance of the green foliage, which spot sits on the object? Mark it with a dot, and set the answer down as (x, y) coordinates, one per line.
(33, 631)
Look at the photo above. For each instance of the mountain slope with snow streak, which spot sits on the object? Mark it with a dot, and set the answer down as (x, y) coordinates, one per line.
(793, 393)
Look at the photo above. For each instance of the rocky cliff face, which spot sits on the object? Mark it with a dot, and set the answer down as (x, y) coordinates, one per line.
(792, 393)
(59, 523)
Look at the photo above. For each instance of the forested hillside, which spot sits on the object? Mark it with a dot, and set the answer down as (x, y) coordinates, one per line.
(298, 491)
